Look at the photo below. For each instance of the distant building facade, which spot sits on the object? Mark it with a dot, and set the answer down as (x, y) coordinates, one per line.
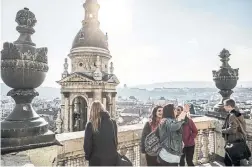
(91, 78)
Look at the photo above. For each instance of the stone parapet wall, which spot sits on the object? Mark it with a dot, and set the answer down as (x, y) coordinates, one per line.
(72, 154)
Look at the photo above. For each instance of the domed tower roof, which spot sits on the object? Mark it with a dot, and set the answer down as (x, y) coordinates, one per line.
(90, 35)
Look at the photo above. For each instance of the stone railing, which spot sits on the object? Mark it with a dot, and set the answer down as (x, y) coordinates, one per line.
(72, 154)
(128, 137)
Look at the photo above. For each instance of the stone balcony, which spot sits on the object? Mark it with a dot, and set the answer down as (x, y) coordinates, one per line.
(209, 146)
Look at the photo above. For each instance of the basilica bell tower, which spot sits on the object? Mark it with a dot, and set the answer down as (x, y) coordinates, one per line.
(91, 76)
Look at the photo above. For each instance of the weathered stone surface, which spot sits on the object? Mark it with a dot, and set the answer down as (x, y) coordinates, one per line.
(23, 68)
(225, 79)
(16, 159)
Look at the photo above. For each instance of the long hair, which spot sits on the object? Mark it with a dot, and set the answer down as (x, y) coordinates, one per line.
(181, 108)
(95, 117)
(154, 115)
(168, 111)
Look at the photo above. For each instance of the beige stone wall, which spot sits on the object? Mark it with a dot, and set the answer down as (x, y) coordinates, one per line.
(73, 143)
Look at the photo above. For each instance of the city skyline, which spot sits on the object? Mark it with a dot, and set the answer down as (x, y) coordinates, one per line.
(154, 42)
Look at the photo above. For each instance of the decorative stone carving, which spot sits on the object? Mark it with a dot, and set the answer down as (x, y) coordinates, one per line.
(225, 79)
(205, 149)
(26, 18)
(65, 73)
(59, 122)
(111, 68)
(92, 76)
(97, 75)
(198, 145)
(23, 68)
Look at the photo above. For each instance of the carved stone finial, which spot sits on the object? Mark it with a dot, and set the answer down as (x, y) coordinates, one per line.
(23, 68)
(225, 78)
(26, 18)
(66, 65)
(26, 21)
(106, 36)
(111, 68)
(65, 73)
(97, 75)
(224, 55)
(59, 122)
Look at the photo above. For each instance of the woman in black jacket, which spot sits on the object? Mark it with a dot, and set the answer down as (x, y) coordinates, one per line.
(150, 126)
(100, 141)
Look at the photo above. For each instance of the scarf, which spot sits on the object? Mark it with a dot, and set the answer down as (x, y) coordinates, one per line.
(154, 125)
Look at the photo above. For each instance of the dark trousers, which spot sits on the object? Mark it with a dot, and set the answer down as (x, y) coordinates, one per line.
(97, 161)
(151, 160)
(229, 162)
(164, 163)
(188, 153)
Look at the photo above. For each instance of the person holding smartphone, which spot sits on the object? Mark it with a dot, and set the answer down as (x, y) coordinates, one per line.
(189, 134)
(170, 132)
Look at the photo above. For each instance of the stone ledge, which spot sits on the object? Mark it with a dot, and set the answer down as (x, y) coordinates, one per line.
(73, 143)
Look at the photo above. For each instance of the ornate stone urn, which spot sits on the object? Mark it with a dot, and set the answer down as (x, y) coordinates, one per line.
(23, 68)
(225, 79)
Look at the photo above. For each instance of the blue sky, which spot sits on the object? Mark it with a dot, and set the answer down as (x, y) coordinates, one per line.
(150, 40)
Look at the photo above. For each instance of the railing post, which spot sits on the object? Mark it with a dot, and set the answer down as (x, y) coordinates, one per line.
(212, 141)
(205, 150)
(197, 147)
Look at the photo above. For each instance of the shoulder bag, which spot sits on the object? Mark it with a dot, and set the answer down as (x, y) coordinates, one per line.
(238, 150)
(122, 160)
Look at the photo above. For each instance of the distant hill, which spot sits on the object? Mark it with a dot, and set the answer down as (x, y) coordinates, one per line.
(44, 92)
(50, 92)
(188, 84)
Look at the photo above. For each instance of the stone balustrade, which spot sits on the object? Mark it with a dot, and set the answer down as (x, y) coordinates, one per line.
(71, 152)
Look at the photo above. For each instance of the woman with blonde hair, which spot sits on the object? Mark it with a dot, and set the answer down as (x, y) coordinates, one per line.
(100, 141)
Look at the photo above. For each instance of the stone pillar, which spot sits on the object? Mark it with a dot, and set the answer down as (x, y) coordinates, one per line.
(197, 147)
(66, 113)
(97, 95)
(62, 109)
(113, 106)
(59, 122)
(90, 100)
(212, 141)
(71, 122)
(75, 108)
(204, 149)
(104, 100)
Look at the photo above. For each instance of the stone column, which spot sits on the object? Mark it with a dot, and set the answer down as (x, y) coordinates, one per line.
(62, 109)
(97, 95)
(71, 122)
(59, 122)
(113, 106)
(74, 108)
(197, 147)
(104, 100)
(66, 113)
(204, 146)
(90, 100)
(205, 149)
